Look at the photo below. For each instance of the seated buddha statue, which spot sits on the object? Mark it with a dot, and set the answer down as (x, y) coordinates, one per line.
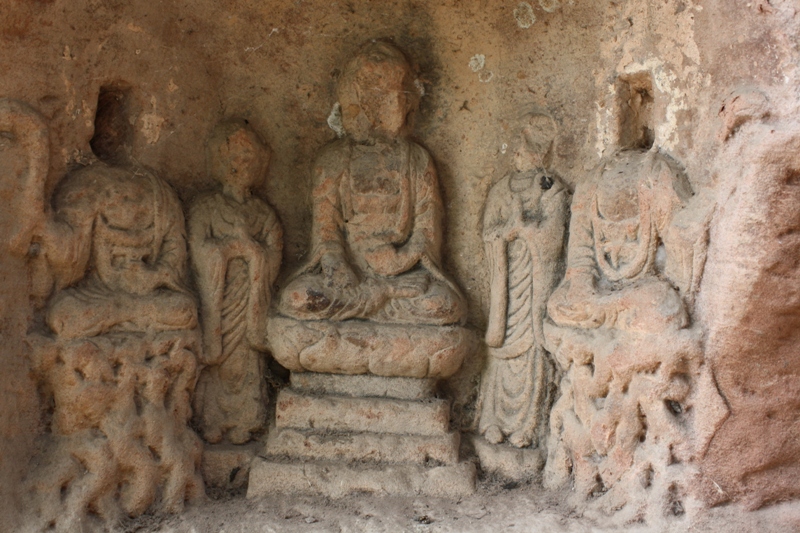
(376, 232)
(614, 262)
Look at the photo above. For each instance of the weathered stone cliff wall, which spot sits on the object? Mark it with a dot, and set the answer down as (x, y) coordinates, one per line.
(483, 63)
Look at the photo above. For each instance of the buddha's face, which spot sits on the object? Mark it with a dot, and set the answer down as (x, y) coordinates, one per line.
(375, 103)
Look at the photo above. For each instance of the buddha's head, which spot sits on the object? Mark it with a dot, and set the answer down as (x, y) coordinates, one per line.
(237, 156)
(535, 141)
(377, 92)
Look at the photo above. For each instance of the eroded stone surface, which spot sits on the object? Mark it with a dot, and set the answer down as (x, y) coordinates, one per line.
(379, 415)
(364, 385)
(508, 461)
(636, 400)
(751, 299)
(117, 358)
(227, 466)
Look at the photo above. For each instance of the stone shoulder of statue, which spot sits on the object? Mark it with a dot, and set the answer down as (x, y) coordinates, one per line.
(224, 220)
(516, 201)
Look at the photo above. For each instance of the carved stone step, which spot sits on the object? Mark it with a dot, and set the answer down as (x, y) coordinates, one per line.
(348, 414)
(375, 447)
(364, 385)
(336, 480)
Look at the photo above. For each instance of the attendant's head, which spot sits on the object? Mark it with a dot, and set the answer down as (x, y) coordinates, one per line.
(535, 142)
(237, 156)
(377, 92)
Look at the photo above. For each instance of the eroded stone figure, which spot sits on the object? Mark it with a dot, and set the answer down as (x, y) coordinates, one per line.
(523, 230)
(373, 291)
(118, 358)
(636, 402)
(236, 242)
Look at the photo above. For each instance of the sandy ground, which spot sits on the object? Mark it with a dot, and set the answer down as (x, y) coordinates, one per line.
(495, 507)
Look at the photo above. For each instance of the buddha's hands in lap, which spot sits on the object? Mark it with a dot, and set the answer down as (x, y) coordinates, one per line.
(408, 285)
(387, 260)
(132, 277)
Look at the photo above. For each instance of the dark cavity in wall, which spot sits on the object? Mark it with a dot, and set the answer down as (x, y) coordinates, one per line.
(113, 131)
(635, 110)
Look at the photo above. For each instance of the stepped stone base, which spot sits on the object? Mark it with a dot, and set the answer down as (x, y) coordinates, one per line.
(509, 462)
(364, 446)
(364, 385)
(336, 480)
(338, 434)
(430, 416)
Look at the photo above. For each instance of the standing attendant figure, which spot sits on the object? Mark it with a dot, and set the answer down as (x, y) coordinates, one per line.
(236, 242)
(523, 230)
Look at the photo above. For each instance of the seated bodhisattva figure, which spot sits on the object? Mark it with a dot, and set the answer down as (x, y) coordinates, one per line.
(622, 334)
(119, 362)
(127, 226)
(235, 240)
(377, 228)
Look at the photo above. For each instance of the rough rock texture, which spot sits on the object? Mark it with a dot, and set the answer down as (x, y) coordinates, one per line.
(337, 480)
(116, 352)
(508, 461)
(360, 446)
(190, 64)
(637, 405)
(364, 385)
(753, 302)
(428, 417)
